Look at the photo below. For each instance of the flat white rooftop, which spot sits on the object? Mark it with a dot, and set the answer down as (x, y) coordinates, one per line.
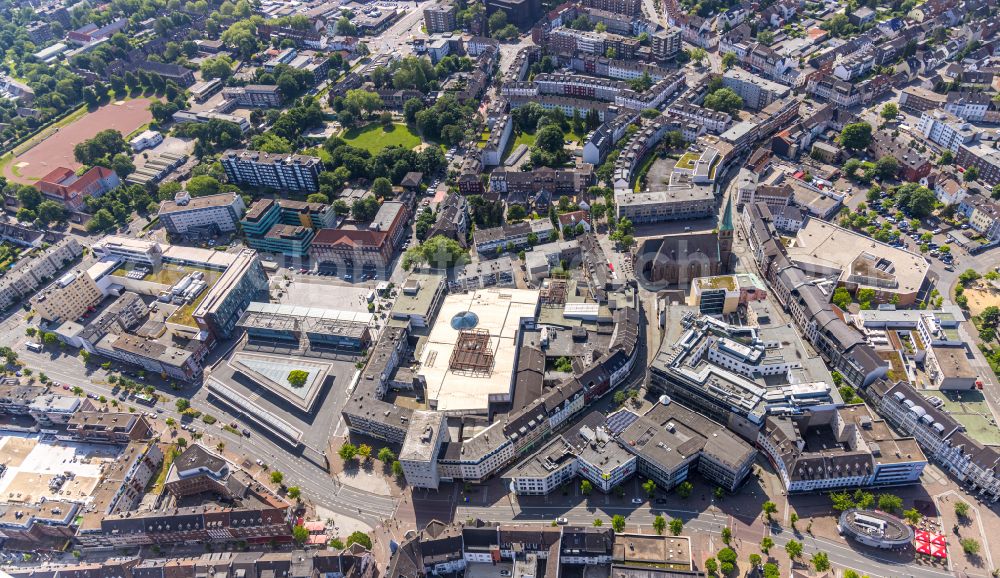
(500, 312)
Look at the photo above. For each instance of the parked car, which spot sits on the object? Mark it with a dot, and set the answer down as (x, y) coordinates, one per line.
(562, 521)
(637, 501)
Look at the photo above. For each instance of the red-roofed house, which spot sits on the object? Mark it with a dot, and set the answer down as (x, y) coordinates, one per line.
(64, 186)
(573, 219)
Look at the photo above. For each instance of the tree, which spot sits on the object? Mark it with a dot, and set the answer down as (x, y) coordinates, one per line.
(496, 22)
(364, 209)
(755, 560)
(182, 404)
(386, 456)
(618, 523)
(820, 561)
(410, 109)
(766, 544)
(359, 537)
(397, 469)
(297, 377)
(365, 451)
(586, 487)
(793, 518)
(842, 297)
(345, 27)
(29, 197)
(650, 487)
(347, 451)
(277, 477)
(676, 525)
(856, 136)
(768, 508)
(727, 535)
(765, 37)
(202, 185)
(889, 503)
(684, 489)
(970, 546)
(912, 516)
(968, 276)
(724, 100)
(659, 524)
(971, 174)
(794, 549)
(887, 167)
(711, 566)
(382, 187)
(300, 534)
(728, 60)
(219, 67)
(890, 111)
(341, 207)
(962, 510)
(294, 492)
(598, 522)
(438, 252)
(698, 55)
(771, 570)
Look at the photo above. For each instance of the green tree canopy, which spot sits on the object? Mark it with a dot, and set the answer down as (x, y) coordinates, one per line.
(856, 136)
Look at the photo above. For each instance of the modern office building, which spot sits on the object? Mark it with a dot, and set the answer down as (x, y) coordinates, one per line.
(285, 226)
(202, 216)
(242, 282)
(286, 172)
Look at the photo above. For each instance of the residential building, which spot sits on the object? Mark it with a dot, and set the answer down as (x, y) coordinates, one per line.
(419, 454)
(679, 201)
(63, 185)
(984, 158)
(254, 95)
(836, 450)
(489, 241)
(969, 106)
(68, 298)
(35, 269)
(666, 43)
(440, 18)
(917, 99)
(756, 92)
(283, 172)
(942, 437)
(913, 164)
(946, 129)
(983, 214)
(203, 216)
(109, 428)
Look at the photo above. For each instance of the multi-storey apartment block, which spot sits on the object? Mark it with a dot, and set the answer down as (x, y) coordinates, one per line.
(282, 172)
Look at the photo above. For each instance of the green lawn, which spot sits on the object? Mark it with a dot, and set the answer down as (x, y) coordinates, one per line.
(374, 137)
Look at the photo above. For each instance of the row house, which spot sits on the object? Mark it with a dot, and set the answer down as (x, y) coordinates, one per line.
(714, 121)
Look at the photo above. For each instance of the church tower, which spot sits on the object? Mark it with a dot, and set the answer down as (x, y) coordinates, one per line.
(726, 237)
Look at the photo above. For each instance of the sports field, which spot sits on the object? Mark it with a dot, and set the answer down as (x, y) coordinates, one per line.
(54, 147)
